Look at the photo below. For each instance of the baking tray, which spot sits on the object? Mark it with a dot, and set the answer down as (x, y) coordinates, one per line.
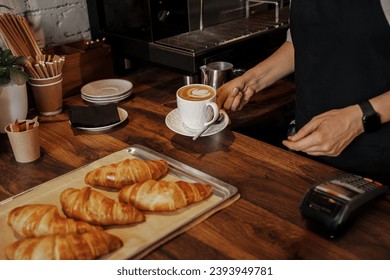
(138, 239)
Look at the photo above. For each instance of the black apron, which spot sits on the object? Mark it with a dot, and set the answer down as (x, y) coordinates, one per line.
(342, 57)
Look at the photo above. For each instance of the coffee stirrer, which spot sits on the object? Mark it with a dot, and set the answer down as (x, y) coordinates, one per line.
(19, 38)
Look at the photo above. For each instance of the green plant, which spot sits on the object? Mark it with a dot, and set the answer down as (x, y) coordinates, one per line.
(11, 68)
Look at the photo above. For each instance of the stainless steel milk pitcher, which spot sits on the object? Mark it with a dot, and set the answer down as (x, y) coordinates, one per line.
(216, 73)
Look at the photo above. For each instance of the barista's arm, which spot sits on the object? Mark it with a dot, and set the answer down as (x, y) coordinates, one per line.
(236, 93)
(331, 132)
(381, 105)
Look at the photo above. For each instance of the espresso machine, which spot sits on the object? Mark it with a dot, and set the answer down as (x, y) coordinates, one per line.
(184, 35)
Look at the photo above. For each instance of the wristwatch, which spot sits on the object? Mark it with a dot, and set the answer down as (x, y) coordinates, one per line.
(371, 120)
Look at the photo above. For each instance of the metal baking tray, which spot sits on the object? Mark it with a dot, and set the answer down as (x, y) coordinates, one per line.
(186, 172)
(139, 238)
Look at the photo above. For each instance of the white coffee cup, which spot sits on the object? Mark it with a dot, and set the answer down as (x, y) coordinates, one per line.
(196, 105)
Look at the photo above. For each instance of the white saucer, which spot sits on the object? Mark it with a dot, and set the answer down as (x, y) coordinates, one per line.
(106, 88)
(122, 117)
(106, 100)
(174, 123)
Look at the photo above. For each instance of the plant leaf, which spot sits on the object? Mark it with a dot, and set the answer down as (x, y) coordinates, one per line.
(3, 70)
(4, 80)
(6, 53)
(20, 60)
(18, 76)
(11, 68)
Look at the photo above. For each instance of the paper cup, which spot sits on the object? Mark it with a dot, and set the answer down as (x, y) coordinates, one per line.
(25, 144)
(47, 94)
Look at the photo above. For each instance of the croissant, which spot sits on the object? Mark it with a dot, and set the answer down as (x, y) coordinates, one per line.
(68, 246)
(126, 172)
(94, 207)
(40, 219)
(163, 195)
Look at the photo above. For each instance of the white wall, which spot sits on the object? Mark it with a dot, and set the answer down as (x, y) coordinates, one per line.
(55, 22)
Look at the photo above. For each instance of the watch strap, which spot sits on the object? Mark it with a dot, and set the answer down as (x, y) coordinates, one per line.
(367, 108)
(371, 120)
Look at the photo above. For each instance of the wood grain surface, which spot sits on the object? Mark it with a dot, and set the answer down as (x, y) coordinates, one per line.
(265, 223)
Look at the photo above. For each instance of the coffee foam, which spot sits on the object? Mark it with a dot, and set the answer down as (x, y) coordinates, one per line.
(196, 92)
(199, 93)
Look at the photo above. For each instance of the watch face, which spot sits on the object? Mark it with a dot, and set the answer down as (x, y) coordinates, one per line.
(371, 123)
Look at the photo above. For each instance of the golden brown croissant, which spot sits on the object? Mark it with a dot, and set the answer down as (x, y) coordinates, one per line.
(126, 172)
(94, 207)
(41, 219)
(68, 246)
(163, 195)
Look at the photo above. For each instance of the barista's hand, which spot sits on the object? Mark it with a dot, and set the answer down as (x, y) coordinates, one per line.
(328, 133)
(234, 94)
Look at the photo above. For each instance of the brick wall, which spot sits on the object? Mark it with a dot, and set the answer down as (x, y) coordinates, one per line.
(54, 22)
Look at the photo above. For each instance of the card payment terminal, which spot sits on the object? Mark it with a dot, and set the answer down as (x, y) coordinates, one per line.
(330, 204)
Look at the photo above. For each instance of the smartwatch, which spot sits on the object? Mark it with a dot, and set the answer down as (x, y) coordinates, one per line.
(371, 120)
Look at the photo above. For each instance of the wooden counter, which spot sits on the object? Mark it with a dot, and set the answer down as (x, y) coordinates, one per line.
(264, 224)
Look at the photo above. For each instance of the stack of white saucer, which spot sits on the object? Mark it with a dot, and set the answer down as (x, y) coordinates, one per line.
(106, 91)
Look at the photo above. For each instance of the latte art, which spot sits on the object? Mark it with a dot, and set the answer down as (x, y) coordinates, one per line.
(196, 92)
(199, 93)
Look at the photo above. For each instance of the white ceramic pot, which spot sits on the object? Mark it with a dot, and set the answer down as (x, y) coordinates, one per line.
(13, 104)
